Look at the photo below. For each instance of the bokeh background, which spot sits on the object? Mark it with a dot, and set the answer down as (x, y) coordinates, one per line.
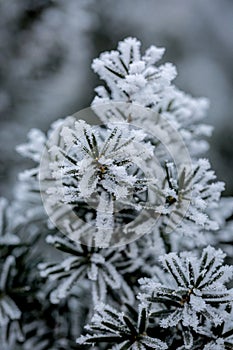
(47, 46)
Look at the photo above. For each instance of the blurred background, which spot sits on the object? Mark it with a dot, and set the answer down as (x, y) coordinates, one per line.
(47, 46)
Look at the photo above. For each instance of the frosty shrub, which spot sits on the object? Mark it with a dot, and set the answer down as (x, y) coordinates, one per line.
(118, 238)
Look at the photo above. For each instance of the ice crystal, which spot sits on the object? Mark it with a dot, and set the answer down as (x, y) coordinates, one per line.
(193, 288)
(113, 327)
(138, 177)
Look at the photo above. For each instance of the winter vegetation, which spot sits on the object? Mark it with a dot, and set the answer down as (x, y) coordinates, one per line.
(144, 261)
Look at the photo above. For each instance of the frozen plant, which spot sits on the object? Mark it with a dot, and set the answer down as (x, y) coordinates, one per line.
(190, 289)
(110, 326)
(167, 285)
(103, 269)
(132, 77)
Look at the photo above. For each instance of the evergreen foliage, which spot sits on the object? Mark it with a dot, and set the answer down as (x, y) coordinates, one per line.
(168, 289)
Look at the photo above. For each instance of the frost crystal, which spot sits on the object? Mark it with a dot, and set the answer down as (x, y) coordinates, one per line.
(188, 196)
(193, 288)
(138, 178)
(131, 77)
(103, 268)
(111, 326)
(102, 167)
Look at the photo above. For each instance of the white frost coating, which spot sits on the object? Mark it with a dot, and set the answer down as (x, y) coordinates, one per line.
(195, 186)
(113, 322)
(34, 148)
(116, 175)
(196, 285)
(139, 80)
